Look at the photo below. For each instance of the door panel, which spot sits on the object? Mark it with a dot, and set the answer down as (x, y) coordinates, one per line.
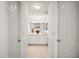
(13, 30)
(3, 30)
(23, 28)
(53, 30)
(69, 29)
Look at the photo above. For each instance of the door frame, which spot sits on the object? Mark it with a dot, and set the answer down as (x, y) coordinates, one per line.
(54, 6)
(25, 43)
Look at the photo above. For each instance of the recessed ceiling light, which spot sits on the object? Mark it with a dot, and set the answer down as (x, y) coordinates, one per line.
(37, 6)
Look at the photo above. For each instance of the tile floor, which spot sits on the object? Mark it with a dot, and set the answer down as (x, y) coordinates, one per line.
(37, 51)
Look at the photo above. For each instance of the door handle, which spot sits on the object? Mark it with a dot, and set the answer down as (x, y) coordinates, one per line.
(58, 40)
(19, 40)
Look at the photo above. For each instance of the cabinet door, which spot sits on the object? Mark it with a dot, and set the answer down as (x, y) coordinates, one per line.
(69, 29)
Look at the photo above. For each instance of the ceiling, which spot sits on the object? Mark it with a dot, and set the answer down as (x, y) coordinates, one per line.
(42, 11)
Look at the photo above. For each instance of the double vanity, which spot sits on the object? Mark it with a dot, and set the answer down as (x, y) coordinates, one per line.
(41, 38)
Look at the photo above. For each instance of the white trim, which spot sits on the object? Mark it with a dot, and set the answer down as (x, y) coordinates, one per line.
(53, 36)
(23, 29)
(23, 43)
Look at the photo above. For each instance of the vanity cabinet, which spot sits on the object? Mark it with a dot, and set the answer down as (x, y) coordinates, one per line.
(38, 39)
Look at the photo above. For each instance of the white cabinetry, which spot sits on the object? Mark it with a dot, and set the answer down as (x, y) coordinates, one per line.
(38, 39)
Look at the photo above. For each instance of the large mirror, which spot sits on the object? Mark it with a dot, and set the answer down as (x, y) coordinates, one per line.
(39, 27)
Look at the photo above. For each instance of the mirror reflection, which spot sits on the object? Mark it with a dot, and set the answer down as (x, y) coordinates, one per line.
(37, 28)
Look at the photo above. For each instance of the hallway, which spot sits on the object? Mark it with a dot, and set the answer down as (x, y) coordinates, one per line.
(39, 29)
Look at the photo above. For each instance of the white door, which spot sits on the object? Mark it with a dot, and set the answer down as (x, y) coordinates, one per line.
(69, 29)
(3, 30)
(13, 30)
(53, 30)
(23, 28)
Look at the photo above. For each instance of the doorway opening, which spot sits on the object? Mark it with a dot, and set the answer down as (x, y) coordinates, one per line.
(37, 29)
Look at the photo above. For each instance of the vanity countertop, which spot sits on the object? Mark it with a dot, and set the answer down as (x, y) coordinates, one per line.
(33, 34)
